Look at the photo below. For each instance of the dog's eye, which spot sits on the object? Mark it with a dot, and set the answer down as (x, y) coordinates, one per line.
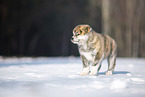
(78, 33)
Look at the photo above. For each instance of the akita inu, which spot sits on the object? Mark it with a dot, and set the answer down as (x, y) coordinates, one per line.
(93, 48)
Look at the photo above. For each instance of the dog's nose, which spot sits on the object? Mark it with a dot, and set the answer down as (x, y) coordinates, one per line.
(72, 39)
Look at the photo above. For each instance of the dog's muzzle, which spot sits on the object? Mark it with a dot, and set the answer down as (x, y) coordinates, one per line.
(74, 40)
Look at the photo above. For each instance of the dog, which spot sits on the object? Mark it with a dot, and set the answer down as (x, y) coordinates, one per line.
(93, 48)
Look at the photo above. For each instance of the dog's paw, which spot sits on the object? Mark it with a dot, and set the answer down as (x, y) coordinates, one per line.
(93, 73)
(85, 71)
(108, 73)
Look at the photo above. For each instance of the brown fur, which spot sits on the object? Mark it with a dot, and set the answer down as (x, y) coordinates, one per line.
(93, 48)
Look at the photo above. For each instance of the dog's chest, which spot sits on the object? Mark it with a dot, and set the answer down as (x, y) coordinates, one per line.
(88, 55)
(87, 50)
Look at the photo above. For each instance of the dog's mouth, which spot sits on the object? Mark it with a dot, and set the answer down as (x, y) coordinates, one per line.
(79, 39)
(74, 41)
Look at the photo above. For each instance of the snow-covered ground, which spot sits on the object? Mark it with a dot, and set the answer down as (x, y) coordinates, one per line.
(59, 77)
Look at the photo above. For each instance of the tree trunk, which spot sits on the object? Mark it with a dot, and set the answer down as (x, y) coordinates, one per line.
(106, 16)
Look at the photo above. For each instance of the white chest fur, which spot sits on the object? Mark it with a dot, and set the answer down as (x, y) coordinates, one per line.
(89, 55)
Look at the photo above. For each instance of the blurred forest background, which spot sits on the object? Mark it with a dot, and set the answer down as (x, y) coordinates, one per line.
(44, 27)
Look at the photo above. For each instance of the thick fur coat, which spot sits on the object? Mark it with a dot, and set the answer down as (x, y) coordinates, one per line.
(93, 48)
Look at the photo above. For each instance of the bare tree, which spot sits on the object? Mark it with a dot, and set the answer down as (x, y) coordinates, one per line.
(122, 19)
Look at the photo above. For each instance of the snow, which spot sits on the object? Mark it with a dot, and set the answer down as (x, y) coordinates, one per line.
(59, 77)
(118, 84)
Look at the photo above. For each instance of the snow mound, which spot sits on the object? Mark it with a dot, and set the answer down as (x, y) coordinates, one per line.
(118, 84)
(137, 80)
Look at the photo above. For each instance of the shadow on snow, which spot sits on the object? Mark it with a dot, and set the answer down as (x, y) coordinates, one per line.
(115, 72)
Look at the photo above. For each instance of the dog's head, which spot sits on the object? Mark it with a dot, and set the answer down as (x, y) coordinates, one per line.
(80, 34)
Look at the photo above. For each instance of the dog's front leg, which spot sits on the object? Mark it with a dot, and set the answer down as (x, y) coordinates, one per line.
(96, 65)
(85, 66)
